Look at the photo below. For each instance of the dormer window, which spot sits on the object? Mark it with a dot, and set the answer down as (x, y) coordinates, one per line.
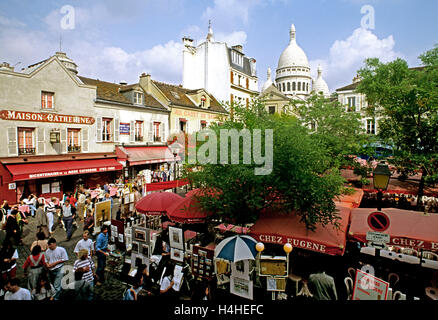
(237, 58)
(203, 102)
(176, 95)
(138, 98)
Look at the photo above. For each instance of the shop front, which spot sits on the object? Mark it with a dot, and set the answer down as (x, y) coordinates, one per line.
(53, 178)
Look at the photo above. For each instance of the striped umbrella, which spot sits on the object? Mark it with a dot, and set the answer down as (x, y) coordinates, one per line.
(236, 248)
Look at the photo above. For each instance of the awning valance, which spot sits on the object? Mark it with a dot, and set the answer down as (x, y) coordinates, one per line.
(277, 228)
(145, 155)
(61, 168)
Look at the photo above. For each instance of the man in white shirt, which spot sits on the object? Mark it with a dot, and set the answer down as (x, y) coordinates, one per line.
(15, 292)
(55, 258)
(85, 243)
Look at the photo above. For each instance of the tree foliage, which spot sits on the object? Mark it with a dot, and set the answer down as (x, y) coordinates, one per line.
(303, 178)
(406, 101)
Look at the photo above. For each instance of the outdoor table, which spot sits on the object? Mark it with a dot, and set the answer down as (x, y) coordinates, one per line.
(432, 293)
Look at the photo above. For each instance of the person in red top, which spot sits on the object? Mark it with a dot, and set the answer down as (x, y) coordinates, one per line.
(72, 199)
(36, 261)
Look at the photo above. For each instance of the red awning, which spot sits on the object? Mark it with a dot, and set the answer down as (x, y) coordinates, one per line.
(280, 228)
(406, 228)
(61, 168)
(156, 203)
(355, 198)
(155, 186)
(145, 155)
(187, 210)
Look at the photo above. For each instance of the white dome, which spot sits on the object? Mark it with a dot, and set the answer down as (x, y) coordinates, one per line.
(293, 55)
(320, 85)
(268, 82)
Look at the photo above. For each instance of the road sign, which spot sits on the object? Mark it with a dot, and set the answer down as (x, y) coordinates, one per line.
(368, 287)
(377, 245)
(378, 221)
(377, 237)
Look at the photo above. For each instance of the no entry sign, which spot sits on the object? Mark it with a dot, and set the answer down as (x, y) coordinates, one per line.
(378, 221)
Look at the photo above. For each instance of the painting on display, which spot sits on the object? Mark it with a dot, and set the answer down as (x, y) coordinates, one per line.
(176, 238)
(102, 213)
(241, 287)
(240, 269)
(177, 255)
(202, 262)
(141, 234)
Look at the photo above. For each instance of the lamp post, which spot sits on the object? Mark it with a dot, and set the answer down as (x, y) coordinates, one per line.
(381, 177)
(175, 151)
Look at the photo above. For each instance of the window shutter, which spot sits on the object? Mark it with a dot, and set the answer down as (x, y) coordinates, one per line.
(116, 129)
(64, 140)
(41, 144)
(84, 132)
(12, 142)
(162, 132)
(187, 126)
(99, 129)
(151, 132)
(132, 131)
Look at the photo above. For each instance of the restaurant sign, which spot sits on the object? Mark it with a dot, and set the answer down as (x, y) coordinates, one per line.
(70, 172)
(44, 117)
(298, 243)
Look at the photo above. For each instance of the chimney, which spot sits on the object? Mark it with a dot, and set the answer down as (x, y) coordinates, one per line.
(238, 47)
(356, 78)
(6, 66)
(145, 82)
(123, 83)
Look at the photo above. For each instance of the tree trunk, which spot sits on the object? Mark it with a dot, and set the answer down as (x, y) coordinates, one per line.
(421, 190)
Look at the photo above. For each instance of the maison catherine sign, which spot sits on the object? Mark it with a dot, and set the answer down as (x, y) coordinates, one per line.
(44, 117)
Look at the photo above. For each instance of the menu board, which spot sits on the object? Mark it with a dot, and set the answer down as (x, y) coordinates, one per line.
(273, 266)
(202, 262)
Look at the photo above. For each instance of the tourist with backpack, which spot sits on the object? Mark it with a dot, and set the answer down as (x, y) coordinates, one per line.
(36, 262)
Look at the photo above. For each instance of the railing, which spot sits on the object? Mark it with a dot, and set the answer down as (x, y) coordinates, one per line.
(107, 137)
(138, 138)
(26, 150)
(74, 148)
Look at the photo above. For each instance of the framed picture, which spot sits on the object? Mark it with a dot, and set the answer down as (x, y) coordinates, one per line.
(275, 284)
(135, 247)
(126, 199)
(208, 262)
(241, 287)
(273, 266)
(145, 250)
(141, 234)
(102, 213)
(176, 238)
(176, 254)
(131, 197)
(202, 253)
(120, 238)
(131, 207)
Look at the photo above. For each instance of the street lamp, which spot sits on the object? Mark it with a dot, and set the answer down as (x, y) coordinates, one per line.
(381, 177)
(175, 150)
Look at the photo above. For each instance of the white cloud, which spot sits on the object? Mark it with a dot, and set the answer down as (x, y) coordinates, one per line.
(230, 11)
(347, 56)
(6, 22)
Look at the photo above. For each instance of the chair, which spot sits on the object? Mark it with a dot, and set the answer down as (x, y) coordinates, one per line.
(297, 280)
(349, 286)
(398, 296)
(352, 272)
(430, 255)
(393, 279)
(409, 251)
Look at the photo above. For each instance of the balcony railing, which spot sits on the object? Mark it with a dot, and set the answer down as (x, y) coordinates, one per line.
(157, 139)
(74, 148)
(26, 150)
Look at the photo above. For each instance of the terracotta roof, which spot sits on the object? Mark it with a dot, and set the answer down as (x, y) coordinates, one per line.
(110, 91)
(182, 99)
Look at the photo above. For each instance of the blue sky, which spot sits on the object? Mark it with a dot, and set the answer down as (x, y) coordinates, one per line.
(118, 40)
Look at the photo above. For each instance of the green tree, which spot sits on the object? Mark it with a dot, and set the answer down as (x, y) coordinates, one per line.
(406, 101)
(302, 178)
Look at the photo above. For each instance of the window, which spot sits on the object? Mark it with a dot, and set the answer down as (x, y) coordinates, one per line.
(294, 86)
(26, 141)
(138, 130)
(307, 87)
(138, 98)
(371, 126)
(47, 100)
(351, 104)
(182, 126)
(239, 81)
(271, 109)
(73, 140)
(157, 136)
(284, 87)
(203, 102)
(203, 124)
(288, 86)
(299, 86)
(106, 129)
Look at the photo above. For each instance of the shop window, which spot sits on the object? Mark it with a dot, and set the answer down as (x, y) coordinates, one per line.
(26, 141)
(157, 136)
(138, 130)
(73, 140)
(106, 129)
(47, 100)
(138, 98)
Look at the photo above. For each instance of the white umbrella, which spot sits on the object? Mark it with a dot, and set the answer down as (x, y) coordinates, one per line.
(236, 248)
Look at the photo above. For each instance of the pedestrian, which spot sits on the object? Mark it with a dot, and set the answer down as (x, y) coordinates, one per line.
(55, 258)
(83, 288)
(8, 258)
(109, 198)
(44, 290)
(86, 264)
(85, 243)
(15, 292)
(68, 215)
(80, 206)
(12, 228)
(101, 252)
(71, 197)
(42, 221)
(51, 211)
(31, 201)
(36, 262)
(4, 211)
(137, 196)
(89, 222)
(132, 293)
(22, 220)
(321, 285)
(167, 282)
(41, 241)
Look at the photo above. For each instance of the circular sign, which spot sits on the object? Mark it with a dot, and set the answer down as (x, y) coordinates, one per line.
(378, 221)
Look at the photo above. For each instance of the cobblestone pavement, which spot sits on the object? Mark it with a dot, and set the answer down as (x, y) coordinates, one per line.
(110, 290)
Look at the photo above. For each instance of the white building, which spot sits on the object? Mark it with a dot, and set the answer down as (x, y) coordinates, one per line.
(292, 77)
(225, 72)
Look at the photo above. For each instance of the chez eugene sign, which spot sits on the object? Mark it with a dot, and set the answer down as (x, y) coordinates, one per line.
(44, 117)
(298, 243)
